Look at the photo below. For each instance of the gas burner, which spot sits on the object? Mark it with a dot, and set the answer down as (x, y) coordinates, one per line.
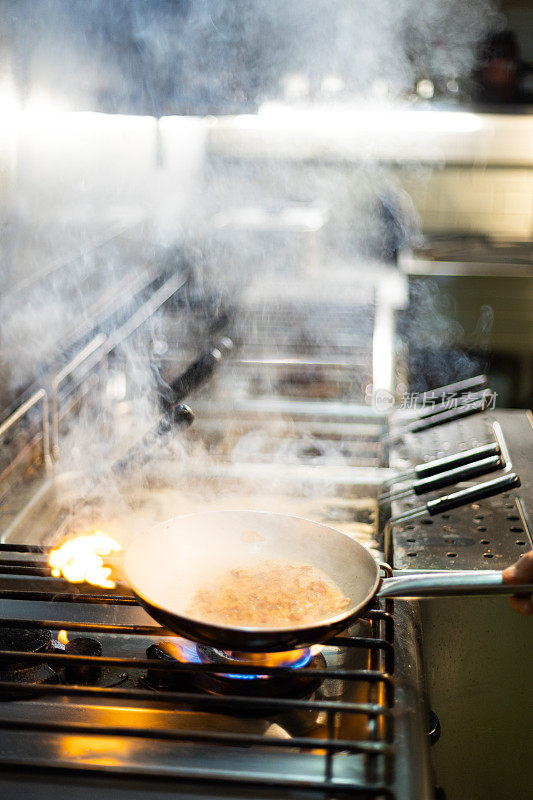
(24, 672)
(89, 674)
(83, 673)
(289, 683)
(163, 681)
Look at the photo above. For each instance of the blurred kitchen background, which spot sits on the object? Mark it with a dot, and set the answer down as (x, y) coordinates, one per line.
(293, 138)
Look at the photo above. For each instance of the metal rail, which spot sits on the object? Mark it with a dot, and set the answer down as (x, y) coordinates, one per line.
(39, 396)
(94, 353)
(83, 357)
(144, 312)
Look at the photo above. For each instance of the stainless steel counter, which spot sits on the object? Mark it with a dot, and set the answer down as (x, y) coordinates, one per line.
(478, 652)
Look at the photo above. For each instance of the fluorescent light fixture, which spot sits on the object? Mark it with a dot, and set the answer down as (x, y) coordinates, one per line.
(353, 120)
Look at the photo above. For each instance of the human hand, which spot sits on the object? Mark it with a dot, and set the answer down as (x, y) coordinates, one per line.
(521, 572)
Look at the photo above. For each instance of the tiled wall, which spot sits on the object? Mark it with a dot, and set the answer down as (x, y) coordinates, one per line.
(466, 172)
(495, 201)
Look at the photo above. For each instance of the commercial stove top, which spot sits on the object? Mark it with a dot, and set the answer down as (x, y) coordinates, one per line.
(95, 695)
(98, 697)
(151, 708)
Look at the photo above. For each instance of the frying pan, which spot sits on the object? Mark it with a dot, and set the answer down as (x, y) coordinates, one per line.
(167, 567)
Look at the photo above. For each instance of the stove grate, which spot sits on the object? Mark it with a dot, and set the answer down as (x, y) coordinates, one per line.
(334, 764)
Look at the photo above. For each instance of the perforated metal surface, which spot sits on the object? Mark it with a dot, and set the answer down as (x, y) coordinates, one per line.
(487, 535)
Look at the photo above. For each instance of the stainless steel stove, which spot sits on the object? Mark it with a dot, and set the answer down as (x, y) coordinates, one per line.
(124, 706)
(140, 713)
(95, 695)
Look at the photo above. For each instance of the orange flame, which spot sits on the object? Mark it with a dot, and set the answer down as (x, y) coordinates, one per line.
(286, 658)
(268, 659)
(63, 637)
(80, 559)
(185, 651)
(181, 649)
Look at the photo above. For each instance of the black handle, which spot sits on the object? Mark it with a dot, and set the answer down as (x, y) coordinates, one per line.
(458, 388)
(197, 372)
(474, 493)
(460, 412)
(178, 418)
(456, 460)
(452, 476)
(444, 404)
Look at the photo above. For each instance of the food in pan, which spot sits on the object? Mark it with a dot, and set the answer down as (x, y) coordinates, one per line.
(271, 594)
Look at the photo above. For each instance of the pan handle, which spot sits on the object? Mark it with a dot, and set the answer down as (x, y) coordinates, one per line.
(450, 584)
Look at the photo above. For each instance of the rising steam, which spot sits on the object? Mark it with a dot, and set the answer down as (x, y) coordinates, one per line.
(75, 175)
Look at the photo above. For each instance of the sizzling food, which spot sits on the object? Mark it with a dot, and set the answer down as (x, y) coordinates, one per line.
(273, 594)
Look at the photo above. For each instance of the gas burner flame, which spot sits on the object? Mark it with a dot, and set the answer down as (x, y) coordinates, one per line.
(80, 559)
(182, 650)
(63, 637)
(294, 659)
(190, 653)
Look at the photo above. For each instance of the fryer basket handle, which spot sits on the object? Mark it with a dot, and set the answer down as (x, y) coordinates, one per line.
(473, 493)
(430, 468)
(457, 475)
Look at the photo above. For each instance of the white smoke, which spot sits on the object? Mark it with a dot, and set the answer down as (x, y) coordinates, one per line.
(157, 59)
